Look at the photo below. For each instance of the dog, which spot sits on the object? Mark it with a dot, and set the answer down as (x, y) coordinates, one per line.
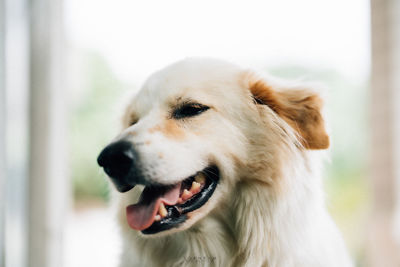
(220, 166)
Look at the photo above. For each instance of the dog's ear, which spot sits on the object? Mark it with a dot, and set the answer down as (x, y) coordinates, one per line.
(300, 108)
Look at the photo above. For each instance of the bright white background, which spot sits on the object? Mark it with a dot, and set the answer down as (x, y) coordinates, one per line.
(139, 37)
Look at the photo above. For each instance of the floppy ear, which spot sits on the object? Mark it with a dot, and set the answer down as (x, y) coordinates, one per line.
(300, 108)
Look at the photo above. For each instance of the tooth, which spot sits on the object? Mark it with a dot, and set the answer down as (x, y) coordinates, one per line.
(157, 217)
(200, 178)
(162, 210)
(186, 195)
(195, 188)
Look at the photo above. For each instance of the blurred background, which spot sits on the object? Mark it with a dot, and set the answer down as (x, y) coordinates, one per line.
(66, 65)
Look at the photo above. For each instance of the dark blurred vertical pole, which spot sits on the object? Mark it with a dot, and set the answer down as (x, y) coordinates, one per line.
(48, 185)
(384, 242)
(2, 131)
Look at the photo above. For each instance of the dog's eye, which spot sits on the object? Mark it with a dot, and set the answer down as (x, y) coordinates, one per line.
(189, 110)
(132, 121)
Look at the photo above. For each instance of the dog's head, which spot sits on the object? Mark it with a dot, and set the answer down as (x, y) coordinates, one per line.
(194, 130)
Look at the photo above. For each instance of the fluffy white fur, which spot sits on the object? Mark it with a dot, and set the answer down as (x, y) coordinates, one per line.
(268, 209)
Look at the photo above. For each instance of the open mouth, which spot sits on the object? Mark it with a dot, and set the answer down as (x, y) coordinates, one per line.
(164, 207)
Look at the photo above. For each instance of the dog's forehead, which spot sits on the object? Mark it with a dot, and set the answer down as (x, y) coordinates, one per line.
(190, 78)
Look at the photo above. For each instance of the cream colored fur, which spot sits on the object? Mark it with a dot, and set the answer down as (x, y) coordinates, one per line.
(268, 209)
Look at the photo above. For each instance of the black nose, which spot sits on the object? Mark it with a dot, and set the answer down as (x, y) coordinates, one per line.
(119, 161)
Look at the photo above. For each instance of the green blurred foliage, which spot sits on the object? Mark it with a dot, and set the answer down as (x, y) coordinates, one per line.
(92, 125)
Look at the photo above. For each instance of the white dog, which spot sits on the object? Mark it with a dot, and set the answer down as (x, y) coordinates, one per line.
(226, 172)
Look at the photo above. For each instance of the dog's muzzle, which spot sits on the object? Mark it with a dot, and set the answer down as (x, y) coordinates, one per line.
(160, 207)
(120, 161)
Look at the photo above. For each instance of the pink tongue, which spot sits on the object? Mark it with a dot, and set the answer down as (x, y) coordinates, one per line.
(141, 215)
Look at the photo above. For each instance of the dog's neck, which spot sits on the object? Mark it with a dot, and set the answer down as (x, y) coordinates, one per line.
(281, 204)
(207, 243)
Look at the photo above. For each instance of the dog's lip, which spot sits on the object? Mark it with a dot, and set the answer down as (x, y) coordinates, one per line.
(176, 213)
